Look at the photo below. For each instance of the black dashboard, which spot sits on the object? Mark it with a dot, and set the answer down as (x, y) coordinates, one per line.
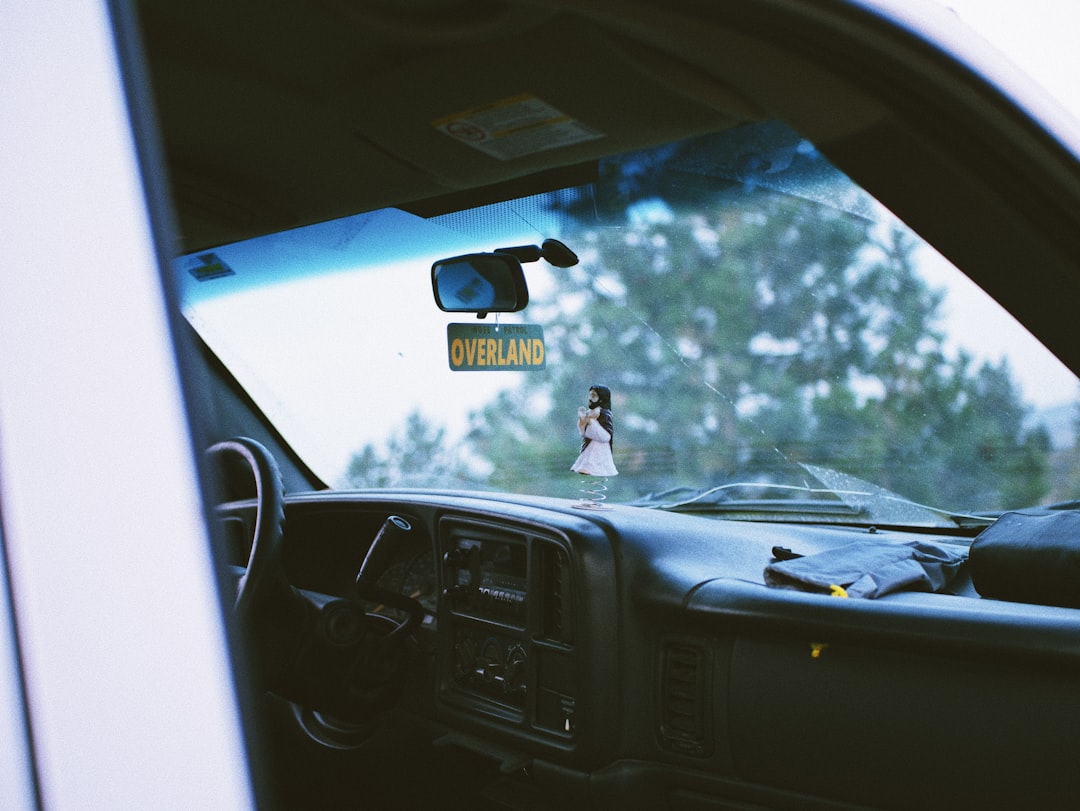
(520, 612)
(635, 658)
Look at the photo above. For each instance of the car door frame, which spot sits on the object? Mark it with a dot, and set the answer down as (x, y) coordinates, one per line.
(115, 648)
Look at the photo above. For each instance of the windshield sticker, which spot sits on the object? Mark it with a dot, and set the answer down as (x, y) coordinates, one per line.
(515, 127)
(490, 348)
(208, 266)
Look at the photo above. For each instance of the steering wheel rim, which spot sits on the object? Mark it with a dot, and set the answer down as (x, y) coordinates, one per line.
(264, 567)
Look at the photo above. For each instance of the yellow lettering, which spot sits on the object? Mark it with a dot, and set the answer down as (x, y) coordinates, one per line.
(496, 350)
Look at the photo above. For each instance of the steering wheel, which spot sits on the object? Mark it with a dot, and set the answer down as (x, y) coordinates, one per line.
(324, 656)
(264, 574)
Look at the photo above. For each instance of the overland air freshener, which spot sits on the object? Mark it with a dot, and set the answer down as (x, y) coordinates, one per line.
(495, 348)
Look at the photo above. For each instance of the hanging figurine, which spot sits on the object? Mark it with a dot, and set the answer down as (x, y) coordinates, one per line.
(597, 428)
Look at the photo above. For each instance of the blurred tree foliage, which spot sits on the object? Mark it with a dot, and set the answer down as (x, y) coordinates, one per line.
(769, 331)
(417, 456)
(1065, 467)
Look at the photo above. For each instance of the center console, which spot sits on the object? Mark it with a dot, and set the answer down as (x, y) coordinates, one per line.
(509, 651)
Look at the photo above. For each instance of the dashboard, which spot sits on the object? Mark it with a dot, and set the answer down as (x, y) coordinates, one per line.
(499, 643)
(636, 657)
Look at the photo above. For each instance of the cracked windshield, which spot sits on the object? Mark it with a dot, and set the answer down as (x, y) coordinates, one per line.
(728, 325)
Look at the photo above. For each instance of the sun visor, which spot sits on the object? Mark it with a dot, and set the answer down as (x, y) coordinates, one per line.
(495, 118)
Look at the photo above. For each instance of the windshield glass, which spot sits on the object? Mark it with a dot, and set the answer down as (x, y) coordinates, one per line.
(758, 319)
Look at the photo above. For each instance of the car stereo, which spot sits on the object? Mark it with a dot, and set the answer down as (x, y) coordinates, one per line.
(488, 578)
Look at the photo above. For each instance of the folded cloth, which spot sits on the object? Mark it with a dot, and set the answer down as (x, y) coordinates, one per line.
(1030, 556)
(870, 570)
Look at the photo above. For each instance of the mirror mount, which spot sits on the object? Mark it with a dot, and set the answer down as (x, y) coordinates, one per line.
(551, 250)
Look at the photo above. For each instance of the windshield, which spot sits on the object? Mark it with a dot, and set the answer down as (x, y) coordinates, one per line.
(757, 319)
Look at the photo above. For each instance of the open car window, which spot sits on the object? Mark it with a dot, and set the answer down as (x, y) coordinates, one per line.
(775, 342)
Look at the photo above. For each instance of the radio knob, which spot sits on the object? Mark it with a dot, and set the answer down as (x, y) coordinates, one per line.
(516, 659)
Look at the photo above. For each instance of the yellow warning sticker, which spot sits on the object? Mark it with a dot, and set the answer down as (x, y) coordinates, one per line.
(514, 127)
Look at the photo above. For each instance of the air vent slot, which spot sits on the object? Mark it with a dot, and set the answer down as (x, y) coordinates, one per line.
(683, 700)
(557, 606)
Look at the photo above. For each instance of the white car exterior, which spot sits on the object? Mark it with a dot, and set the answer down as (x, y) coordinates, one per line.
(123, 661)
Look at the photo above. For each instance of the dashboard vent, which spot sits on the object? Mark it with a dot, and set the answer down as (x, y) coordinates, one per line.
(683, 704)
(558, 620)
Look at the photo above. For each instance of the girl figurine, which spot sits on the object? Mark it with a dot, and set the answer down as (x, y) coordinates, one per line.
(596, 428)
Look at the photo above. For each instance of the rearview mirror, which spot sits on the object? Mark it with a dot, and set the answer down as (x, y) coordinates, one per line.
(479, 283)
